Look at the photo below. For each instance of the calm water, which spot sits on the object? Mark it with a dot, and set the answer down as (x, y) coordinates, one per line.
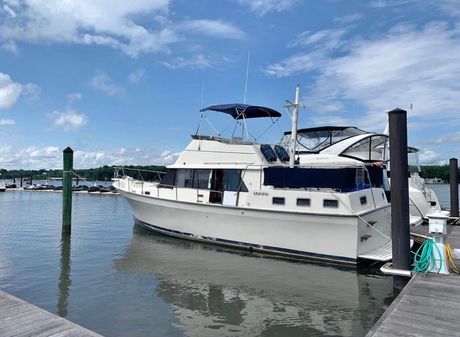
(119, 280)
(443, 193)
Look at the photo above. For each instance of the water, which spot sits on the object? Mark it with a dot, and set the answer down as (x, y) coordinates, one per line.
(443, 193)
(119, 280)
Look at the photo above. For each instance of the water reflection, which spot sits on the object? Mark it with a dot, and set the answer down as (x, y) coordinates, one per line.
(214, 291)
(64, 276)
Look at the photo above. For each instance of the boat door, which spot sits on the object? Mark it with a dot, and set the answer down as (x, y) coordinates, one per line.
(231, 187)
(217, 186)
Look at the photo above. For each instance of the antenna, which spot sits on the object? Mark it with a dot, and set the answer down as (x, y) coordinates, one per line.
(247, 76)
(202, 94)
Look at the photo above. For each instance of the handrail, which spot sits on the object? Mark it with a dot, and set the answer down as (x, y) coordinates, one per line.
(138, 170)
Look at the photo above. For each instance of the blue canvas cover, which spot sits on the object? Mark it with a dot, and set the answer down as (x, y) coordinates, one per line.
(240, 111)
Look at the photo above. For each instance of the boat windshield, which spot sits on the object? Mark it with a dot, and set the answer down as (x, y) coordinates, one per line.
(413, 159)
(317, 139)
(372, 148)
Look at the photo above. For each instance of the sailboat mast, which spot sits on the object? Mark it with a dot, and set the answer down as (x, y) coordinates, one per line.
(295, 115)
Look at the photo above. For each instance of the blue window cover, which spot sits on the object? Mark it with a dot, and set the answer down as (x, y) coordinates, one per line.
(240, 111)
(268, 152)
(281, 153)
(340, 179)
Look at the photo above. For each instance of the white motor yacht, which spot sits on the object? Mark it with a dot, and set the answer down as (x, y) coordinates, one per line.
(372, 149)
(2, 186)
(240, 193)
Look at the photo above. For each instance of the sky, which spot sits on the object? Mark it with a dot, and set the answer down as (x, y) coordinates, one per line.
(122, 82)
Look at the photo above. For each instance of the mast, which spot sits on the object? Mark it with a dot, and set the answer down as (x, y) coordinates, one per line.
(295, 115)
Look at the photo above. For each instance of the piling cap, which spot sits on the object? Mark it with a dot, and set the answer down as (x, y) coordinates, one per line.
(397, 110)
(68, 150)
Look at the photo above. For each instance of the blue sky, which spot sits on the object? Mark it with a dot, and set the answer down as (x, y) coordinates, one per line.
(122, 82)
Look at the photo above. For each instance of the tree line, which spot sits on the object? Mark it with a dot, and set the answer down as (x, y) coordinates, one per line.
(107, 172)
(94, 174)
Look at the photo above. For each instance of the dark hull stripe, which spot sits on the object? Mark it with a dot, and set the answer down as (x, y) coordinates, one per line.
(258, 248)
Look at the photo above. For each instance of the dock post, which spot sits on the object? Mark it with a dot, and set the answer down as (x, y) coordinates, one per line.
(453, 177)
(67, 190)
(399, 170)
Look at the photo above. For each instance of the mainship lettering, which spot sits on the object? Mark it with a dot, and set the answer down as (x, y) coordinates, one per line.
(262, 194)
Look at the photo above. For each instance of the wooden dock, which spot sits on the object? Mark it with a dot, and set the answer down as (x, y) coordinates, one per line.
(429, 305)
(20, 319)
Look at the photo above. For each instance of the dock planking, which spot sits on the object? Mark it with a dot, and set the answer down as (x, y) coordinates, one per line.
(21, 319)
(427, 306)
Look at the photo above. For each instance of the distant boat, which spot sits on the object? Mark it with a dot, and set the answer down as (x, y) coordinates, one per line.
(2, 186)
(434, 180)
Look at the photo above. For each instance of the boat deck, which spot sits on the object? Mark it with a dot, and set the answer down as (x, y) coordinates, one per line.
(20, 319)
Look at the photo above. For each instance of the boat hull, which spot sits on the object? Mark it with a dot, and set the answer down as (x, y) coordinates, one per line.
(329, 237)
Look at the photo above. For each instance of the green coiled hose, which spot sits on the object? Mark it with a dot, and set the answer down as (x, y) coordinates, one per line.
(424, 255)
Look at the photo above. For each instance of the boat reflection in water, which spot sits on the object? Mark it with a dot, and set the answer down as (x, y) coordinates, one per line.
(218, 291)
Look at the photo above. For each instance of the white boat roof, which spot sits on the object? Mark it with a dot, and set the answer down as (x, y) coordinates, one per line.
(211, 152)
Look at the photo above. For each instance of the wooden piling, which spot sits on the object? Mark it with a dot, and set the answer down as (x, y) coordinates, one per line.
(453, 186)
(399, 170)
(67, 190)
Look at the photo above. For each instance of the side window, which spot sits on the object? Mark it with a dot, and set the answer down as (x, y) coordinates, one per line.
(233, 181)
(303, 202)
(278, 201)
(201, 179)
(184, 178)
(168, 179)
(330, 203)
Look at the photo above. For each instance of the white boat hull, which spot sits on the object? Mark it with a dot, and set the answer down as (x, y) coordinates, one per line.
(325, 237)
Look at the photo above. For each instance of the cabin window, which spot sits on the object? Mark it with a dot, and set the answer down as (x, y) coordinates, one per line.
(147, 192)
(278, 201)
(168, 179)
(303, 202)
(233, 181)
(331, 203)
(363, 200)
(201, 179)
(184, 178)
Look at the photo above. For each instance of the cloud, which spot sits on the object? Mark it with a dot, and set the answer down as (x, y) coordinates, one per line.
(262, 7)
(10, 47)
(297, 64)
(105, 84)
(123, 156)
(449, 7)
(349, 18)
(328, 38)
(194, 62)
(212, 28)
(137, 76)
(390, 3)
(9, 91)
(73, 97)
(4, 122)
(49, 157)
(429, 157)
(108, 23)
(407, 64)
(69, 120)
(32, 92)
